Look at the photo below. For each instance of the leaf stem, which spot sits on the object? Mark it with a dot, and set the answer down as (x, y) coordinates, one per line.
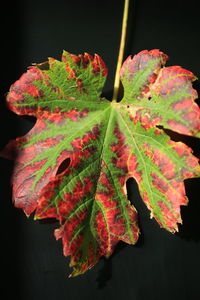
(121, 50)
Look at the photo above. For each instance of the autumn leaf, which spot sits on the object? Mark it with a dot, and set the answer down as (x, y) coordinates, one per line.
(74, 163)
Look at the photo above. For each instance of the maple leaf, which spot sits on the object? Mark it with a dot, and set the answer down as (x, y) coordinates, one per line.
(74, 163)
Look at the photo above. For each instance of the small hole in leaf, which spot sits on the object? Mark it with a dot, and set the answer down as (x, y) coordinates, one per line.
(63, 166)
(149, 98)
(128, 106)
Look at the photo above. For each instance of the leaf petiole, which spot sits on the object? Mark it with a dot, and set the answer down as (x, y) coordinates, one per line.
(121, 50)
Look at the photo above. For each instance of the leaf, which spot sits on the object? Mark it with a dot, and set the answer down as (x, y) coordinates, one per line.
(74, 163)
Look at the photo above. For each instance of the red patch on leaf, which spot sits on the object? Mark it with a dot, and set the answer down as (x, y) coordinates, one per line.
(21, 88)
(106, 194)
(121, 150)
(174, 192)
(182, 104)
(146, 119)
(191, 161)
(66, 233)
(174, 78)
(162, 161)
(179, 127)
(169, 219)
(140, 62)
(133, 166)
(98, 64)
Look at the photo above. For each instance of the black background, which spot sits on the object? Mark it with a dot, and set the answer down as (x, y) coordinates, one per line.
(161, 265)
